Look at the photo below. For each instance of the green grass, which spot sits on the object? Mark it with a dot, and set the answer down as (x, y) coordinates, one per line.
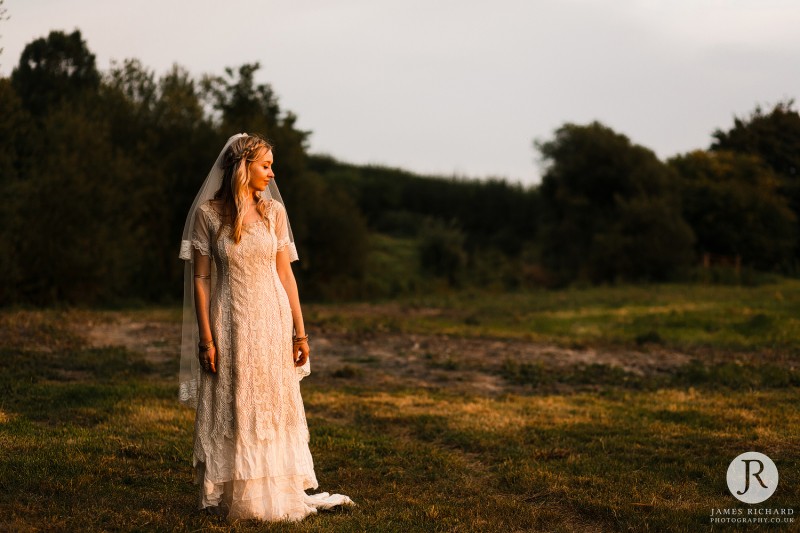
(732, 376)
(93, 439)
(677, 316)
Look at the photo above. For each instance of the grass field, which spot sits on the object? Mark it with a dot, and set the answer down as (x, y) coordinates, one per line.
(92, 437)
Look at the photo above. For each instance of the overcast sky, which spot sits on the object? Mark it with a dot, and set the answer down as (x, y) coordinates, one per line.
(459, 87)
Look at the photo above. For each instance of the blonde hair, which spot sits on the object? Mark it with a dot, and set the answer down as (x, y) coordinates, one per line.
(234, 192)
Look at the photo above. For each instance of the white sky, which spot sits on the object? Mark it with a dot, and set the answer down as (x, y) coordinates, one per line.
(459, 87)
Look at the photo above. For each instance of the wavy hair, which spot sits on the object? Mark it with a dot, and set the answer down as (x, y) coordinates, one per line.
(236, 175)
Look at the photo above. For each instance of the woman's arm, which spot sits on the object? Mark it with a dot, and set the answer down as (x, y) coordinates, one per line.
(284, 268)
(202, 292)
(202, 289)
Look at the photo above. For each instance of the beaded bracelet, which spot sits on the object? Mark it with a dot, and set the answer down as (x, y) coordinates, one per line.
(205, 346)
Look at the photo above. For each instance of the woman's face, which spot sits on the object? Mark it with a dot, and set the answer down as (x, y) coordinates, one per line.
(261, 172)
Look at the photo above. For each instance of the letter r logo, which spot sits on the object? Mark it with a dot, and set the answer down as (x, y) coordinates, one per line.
(748, 473)
(752, 477)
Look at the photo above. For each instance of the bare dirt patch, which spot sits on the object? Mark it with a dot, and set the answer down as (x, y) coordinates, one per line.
(467, 364)
(157, 341)
(433, 361)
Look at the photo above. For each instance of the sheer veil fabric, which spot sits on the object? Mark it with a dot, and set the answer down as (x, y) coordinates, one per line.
(251, 452)
(190, 335)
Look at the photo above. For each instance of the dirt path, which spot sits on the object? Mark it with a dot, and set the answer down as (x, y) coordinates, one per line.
(157, 341)
(463, 364)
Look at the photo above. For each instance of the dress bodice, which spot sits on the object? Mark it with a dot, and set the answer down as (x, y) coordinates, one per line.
(253, 257)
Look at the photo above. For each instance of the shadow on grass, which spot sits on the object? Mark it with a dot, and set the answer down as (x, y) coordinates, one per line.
(627, 461)
(94, 440)
(80, 386)
(730, 376)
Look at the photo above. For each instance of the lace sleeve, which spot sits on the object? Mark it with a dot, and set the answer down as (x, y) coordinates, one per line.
(282, 232)
(200, 233)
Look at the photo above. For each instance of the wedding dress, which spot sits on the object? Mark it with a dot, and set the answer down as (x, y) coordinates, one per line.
(251, 450)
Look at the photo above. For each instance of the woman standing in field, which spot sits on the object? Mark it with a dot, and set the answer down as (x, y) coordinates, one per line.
(241, 365)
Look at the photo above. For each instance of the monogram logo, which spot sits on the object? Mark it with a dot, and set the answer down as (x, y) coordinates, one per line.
(752, 477)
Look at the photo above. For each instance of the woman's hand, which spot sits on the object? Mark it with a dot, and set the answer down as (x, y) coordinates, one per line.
(300, 352)
(208, 359)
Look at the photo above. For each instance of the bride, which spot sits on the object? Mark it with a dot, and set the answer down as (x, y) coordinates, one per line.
(241, 365)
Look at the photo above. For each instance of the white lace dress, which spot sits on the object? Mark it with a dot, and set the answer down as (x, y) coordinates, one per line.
(251, 449)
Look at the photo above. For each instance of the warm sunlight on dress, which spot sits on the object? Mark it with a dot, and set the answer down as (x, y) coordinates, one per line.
(251, 448)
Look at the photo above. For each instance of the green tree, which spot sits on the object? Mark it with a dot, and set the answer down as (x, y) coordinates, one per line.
(16, 132)
(732, 202)
(76, 228)
(163, 155)
(63, 223)
(15, 161)
(442, 251)
(333, 241)
(491, 213)
(55, 69)
(609, 209)
(774, 136)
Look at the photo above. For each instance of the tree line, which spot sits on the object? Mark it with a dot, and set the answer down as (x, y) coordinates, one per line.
(98, 169)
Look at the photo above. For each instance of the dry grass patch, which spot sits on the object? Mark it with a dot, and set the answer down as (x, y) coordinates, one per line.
(96, 441)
